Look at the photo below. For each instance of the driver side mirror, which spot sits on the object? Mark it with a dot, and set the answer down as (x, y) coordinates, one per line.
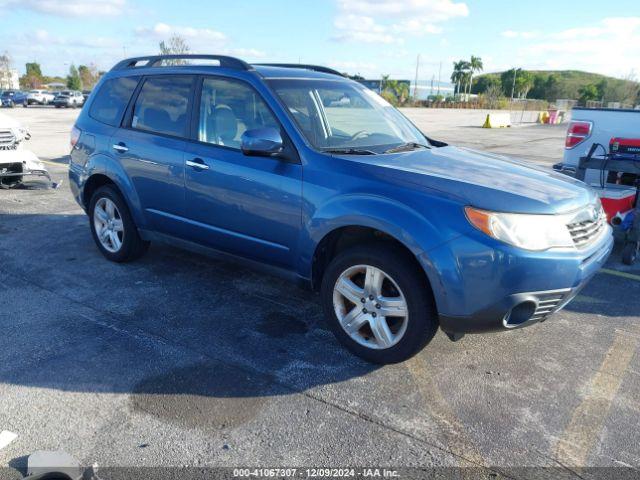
(262, 142)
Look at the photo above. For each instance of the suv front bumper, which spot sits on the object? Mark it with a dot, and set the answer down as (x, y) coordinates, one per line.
(513, 288)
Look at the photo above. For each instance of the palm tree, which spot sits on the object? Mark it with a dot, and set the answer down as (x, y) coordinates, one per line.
(475, 65)
(459, 73)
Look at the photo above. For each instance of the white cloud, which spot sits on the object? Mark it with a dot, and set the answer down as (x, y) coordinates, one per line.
(390, 21)
(366, 69)
(164, 31)
(69, 8)
(610, 47)
(437, 10)
(524, 35)
(200, 40)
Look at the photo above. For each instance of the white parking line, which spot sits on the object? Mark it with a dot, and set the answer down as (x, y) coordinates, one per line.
(6, 438)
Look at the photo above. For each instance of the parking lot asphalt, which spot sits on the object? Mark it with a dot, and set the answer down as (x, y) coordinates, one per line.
(182, 360)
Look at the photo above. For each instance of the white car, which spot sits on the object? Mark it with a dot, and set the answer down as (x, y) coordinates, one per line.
(40, 97)
(15, 161)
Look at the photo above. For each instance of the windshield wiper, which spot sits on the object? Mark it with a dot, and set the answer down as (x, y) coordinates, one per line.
(405, 147)
(349, 151)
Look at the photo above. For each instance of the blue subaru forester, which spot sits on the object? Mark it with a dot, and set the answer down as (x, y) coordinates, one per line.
(298, 169)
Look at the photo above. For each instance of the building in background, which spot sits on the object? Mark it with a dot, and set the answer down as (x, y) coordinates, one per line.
(9, 79)
(425, 90)
(376, 85)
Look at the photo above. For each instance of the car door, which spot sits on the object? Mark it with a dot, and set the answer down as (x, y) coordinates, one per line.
(245, 205)
(151, 148)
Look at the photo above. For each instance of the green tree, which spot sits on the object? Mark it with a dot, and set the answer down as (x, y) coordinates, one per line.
(524, 82)
(460, 74)
(33, 76)
(587, 93)
(482, 83)
(73, 79)
(552, 88)
(176, 45)
(88, 76)
(475, 65)
(601, 86)
(394, 91)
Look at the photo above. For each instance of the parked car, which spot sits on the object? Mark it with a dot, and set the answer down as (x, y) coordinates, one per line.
(11, 98)
(69, 99)
(85, 95)
(16, 162)
(317, 178)
(589, 126)
(39, 97)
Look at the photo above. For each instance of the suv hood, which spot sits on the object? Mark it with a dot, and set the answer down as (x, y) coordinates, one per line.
(486, 180)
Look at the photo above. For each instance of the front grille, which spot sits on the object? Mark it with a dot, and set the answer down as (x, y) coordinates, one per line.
(548, 303)
(7, 140)
(584, 230)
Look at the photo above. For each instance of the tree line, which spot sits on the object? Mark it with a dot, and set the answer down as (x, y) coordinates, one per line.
(554, 85)
(83, 77)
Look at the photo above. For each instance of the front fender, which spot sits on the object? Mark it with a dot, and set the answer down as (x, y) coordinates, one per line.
(408, 226)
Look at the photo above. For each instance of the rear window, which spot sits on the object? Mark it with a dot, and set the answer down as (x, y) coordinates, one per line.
(111, 101)
(161, 106)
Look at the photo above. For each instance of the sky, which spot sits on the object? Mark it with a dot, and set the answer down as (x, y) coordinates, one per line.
(369, 37)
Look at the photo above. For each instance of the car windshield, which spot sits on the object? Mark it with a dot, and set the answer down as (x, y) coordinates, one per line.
(345, 117)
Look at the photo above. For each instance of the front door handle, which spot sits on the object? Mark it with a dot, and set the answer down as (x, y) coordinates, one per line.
(120, 147)
(197, 163)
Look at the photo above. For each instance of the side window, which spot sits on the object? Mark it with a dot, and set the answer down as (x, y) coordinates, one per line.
(228, 108)
(112, 99)
(161, 106)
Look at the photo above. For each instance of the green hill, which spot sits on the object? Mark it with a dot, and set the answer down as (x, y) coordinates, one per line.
(554, 84)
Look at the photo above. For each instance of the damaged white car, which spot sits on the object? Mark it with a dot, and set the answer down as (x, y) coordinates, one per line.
(16, 162)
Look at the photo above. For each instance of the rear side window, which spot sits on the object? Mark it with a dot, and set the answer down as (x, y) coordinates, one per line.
(161, 106)
(111, 101)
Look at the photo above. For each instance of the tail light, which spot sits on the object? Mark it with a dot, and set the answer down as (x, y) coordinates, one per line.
(578, 132)
(75, 136)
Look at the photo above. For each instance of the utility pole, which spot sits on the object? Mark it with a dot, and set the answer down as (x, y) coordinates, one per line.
(415, 85)
(513, 88)
(433, 77)
(439, 73)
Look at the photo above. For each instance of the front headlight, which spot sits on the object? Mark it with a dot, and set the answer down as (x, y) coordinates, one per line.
(530, 232)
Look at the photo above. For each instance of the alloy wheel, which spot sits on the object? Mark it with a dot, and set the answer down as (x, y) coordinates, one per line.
(370, 307)
(108, 225)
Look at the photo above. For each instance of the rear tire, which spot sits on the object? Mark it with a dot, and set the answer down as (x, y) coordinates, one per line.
(126, 245)
(404, 287)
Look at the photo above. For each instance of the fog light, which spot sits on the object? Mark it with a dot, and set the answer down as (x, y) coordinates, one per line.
(520, 314)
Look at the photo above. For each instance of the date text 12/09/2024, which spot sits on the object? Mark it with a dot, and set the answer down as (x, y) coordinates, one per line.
(315, 473)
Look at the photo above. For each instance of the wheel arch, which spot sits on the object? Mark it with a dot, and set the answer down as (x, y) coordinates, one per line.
(347, 236)
(102, 170)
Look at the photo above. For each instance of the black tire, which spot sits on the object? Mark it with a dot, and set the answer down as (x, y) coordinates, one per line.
(133, 247)
(422, 322)
(630, 253)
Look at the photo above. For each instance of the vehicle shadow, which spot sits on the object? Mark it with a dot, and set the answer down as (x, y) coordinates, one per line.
(171, 328)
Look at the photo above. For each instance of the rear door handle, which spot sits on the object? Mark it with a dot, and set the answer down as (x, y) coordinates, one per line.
(120, 147)
(197, 163)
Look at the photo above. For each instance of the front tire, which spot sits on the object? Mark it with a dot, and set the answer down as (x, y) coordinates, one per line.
(112, 226)
(378, 304)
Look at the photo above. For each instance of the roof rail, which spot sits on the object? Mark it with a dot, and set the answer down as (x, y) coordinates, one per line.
(315, 68)
(156, 60)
